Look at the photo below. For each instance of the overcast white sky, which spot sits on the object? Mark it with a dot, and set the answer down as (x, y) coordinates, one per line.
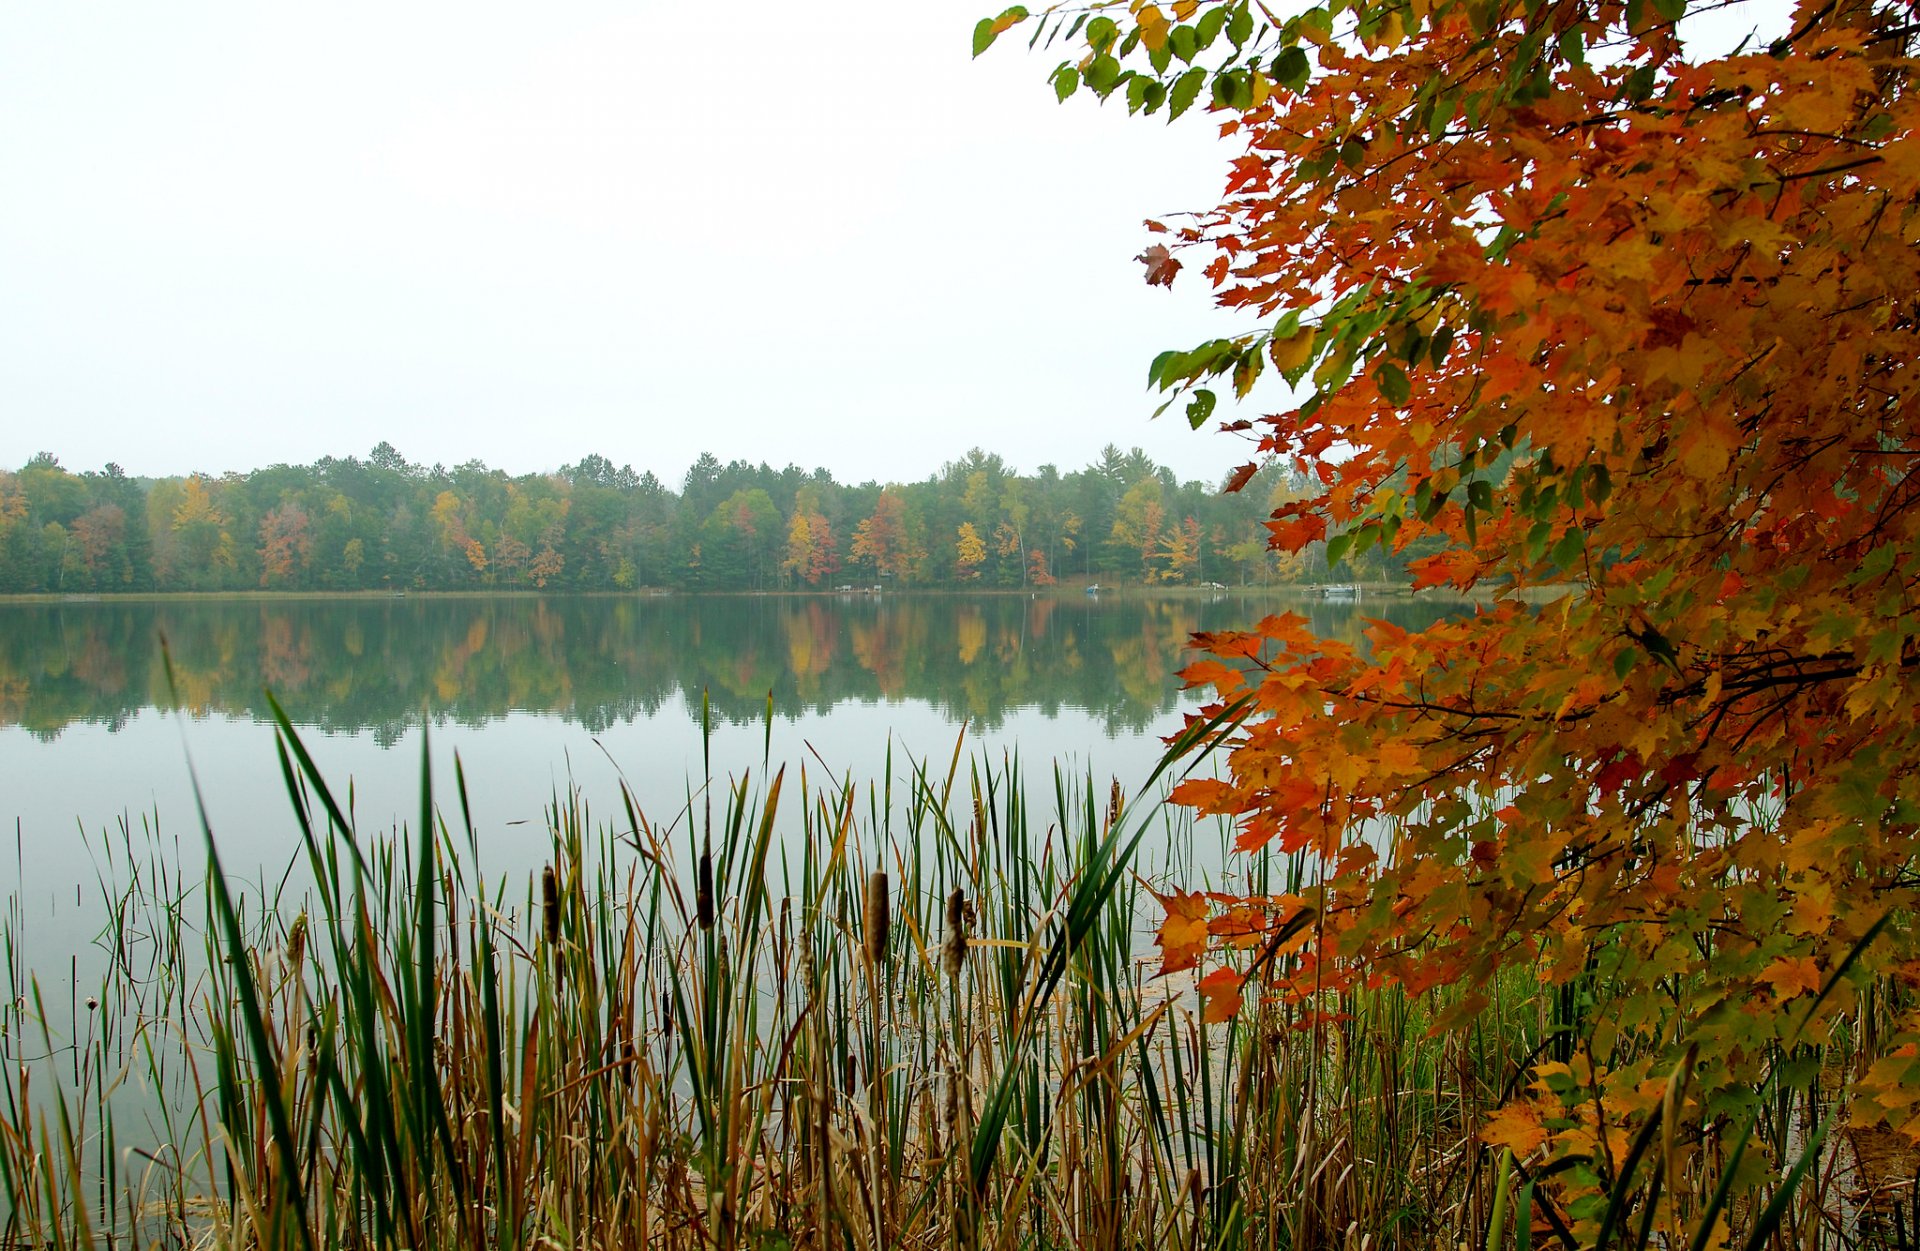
(235, 234)
(239, 233)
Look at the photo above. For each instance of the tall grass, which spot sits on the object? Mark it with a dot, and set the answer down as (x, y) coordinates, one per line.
(799, 1012)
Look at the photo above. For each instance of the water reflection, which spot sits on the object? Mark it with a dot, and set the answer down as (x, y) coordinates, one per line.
(371, 665)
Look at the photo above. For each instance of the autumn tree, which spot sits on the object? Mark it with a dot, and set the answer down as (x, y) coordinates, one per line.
(882, 541)
(1621, 331)
(812, 552)
(286, 546)
(968, 552)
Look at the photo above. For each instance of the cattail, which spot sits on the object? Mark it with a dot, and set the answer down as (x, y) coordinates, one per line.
(703, 889)
(1114, 803)
(953, 951)
(550, 902)
(878, 919)
(297, 941)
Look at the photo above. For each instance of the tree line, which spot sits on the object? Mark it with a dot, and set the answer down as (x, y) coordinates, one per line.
(383, 522)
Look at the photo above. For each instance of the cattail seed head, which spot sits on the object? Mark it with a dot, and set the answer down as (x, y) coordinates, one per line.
(550, 902)
(878, 919)
(953, 951)
(703, 890)
(1114, 803)
(297, 941)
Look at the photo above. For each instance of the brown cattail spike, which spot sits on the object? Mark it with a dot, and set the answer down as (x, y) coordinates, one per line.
(703, 889)
(550, 902)
(878, 919)
(1114, 804)
(953, 951)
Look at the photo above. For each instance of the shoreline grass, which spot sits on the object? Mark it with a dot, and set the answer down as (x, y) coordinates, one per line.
(800, 1014)
(797, 1014)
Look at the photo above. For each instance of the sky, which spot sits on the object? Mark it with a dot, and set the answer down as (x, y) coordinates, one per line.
(236, 234)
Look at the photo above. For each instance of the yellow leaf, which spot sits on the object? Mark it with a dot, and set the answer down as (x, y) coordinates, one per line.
(1792, 975)
(1291, 353)
(1515, 1126)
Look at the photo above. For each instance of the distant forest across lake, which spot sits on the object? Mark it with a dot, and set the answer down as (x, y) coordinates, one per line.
(384, 523)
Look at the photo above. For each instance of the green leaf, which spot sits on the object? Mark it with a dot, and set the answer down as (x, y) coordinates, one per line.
(1101, 32)
(1066, 81)
(1185, 42)
(1223, 89)
(1337, 547)
(1156, 94)
(1240, 25)
(1537, 538)
(1394, 384)
(1160, 57)
(1291, 68)
(1671, 10)
(1480, 494)
(1137, 92)
(1185, 89)
(987, 29)
(983, 35)
(1103, 75)
(1573, 47)
(1353, 154)
(1161, 371)
(1208, 28)
(1624, 661)
(1199, 408)
(1571, 547)
(1442, 340)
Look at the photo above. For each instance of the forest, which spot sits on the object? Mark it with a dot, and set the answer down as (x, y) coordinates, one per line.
(384, 523)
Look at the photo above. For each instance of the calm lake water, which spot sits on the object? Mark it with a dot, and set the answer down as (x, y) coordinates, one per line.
(540, 694)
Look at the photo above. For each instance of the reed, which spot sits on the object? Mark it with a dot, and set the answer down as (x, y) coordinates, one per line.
(799, 1012)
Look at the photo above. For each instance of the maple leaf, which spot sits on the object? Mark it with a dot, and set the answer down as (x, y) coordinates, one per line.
(1220, 994)
(1792, 975)
(1183, 935)
(1515, 1125)
(1161, 265)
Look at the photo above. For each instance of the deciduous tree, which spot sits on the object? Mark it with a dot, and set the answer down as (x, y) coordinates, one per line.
(1626, 332)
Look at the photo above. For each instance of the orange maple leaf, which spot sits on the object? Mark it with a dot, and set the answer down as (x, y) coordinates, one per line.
(1220, 993)
(1183, 935)
(1792, 975)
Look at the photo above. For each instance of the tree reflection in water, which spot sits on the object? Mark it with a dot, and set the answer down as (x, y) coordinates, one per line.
(371, 664)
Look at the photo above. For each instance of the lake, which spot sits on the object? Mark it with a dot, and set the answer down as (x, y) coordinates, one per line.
(540, 694)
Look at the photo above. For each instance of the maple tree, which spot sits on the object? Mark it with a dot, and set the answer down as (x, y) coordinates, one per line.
(1623, 334)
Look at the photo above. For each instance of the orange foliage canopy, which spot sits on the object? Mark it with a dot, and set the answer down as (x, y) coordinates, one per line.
(1625, 336)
